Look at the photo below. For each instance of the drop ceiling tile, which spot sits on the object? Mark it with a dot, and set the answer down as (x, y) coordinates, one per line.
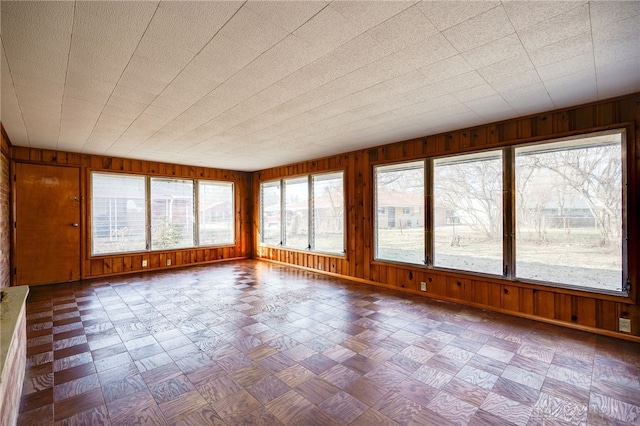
(98, 30)
(134, 15)
(360, 51)
(202, 14)
(314, 31)
(409, 81)
(447, 14)
(221, 58)
(560, 27)
(474, 93)
(563, 49)
(135, 94)
(495, 51)
(98, 53)
(404, 29)
(87, 89)
(534, 91)
(446, 69)
(427, 52)
(23, 35)
(566, 67)
(53, 93)
(509, 71)
(576, 94)
(251, 30)
(492, 108)
(55, 15)
(92, 70)
(525, 14)
(490, 26)
(606, 14)
(164, 52)
(287, 15)
(365, 15)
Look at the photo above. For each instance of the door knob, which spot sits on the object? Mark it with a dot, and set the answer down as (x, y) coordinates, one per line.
(75, 225)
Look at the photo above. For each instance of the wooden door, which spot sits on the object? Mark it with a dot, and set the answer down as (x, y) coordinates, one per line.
(47, 228)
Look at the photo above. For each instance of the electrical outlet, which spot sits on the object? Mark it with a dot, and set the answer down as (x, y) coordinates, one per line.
(319, 265)
(168, 262)
(144, 263)
(423, 286)
(624, 325)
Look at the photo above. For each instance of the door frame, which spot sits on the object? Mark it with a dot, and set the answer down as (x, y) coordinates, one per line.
(13, 209)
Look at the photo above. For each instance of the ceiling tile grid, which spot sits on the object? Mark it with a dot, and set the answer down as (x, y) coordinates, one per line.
(251, 85)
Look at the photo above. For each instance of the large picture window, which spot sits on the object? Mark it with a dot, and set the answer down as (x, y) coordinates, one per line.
(551, 212)
(328, 212)
(137, 213)
(215, 213)
(296, 207)
(569, 211)
(467, 212)
(400, 236)
(304, 213)
(270, 213)
(118, 213)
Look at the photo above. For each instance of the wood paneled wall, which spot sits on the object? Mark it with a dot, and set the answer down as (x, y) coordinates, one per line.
(99, 266)
(578, 309)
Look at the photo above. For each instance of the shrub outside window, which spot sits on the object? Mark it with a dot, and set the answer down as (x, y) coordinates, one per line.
(171, 213)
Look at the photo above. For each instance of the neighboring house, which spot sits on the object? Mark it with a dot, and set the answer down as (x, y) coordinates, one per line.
(399, 209)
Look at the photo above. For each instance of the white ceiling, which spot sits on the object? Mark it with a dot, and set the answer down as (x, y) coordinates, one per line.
(250, 85)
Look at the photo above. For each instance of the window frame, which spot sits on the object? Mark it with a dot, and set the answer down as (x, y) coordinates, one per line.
(426, 213)
(148, 201)
(508, 154)
(310, 209)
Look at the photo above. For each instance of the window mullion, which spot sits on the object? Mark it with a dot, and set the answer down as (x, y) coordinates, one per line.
(196, 213)
(311, 216)
(508, 216)
(428, 212)
(148, 212)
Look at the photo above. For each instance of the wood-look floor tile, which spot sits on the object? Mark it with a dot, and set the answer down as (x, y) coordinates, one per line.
(120, 388)
(507, 409)
(78, 404)
(202, 416)
(288, 406)
(130, 404)
(35, 400)
(398, 408)
(219, 388)
(295, 375)
(343, 407)
(344, 353)
(268, 388)
(373, 417)
(452, 408)
(151, 416)
(37, 417)
(462, 390)
(553, 407)
(317, 390)
(75, 387)
(366, 391)
(182, 405)
(236, 406)
(94, 416)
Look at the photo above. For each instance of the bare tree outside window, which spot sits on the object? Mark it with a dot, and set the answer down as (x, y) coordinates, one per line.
(569, 212)
(467, 212)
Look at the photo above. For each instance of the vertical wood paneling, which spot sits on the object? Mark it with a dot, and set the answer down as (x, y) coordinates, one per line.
(553, 304)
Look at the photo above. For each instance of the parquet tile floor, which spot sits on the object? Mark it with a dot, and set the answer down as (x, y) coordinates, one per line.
(254, 343)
